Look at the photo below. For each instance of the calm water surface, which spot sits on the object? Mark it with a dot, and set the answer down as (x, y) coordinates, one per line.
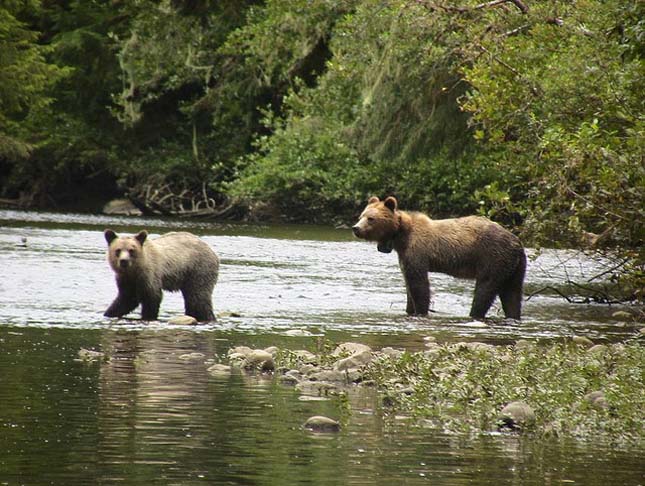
(153, 415)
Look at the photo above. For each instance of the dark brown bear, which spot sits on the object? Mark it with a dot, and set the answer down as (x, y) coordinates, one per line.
(472, 247)
(174, 261)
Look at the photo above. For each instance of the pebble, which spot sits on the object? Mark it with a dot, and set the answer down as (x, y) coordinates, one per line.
(319, 423)
(182, 321)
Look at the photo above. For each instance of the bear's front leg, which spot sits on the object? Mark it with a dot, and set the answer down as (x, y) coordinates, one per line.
(124, 303)
(418, 289)
(150, 304)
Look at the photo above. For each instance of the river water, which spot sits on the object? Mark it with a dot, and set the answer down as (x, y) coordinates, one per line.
(153, 415)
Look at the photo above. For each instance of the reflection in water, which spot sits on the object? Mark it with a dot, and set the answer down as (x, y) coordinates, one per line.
(152, 414)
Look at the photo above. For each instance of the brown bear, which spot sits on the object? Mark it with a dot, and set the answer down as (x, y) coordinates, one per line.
(472, 247)
(174, 261)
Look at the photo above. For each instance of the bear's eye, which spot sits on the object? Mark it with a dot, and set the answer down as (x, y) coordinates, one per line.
(370, 220)
(133, 253)
(118, 252)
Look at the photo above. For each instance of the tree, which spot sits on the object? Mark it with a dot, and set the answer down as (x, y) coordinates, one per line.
(26, 78)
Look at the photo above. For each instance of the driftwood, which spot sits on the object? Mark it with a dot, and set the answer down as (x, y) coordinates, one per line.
(155, 197)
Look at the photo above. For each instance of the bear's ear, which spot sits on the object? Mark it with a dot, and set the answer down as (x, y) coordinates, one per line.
(110, 236)
(372, 200)
(141, 236)
(390, 203)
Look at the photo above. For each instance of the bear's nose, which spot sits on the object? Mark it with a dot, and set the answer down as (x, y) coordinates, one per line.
(356, 230)
(123, 263)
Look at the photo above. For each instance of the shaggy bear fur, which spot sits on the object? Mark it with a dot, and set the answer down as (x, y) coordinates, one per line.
(472, 247)
(174, 261)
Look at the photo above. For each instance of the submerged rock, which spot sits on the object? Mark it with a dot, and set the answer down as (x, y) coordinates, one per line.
(220, 370)
(516, 415)
(192, 356)
(319, 423)
(292, 378)
(90, 355)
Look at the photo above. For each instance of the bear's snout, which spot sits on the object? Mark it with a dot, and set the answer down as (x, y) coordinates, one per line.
(124, 263)
(357, 230)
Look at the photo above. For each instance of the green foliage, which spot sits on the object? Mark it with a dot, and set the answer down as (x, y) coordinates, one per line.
(558, 106)
(25, 77)
(302, 109)
(463, 389)
(386, 105)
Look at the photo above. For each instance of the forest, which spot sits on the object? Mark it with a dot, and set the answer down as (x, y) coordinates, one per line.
(529, 112)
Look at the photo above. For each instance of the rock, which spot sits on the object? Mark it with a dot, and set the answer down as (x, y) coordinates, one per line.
(522, 344)
(622, 315)
(319, 423)
(236, 359)
(336, 376)
(307, 368)
(272, 350)
(475, 346)
(582, 341)
(597, 400)
(305, 356)
(192, 356)
(121, 207)
(219, 370)
(597, 349)
(243, 350)
(289, 379)
(392, 353)
(350, 349)
(432, 352)
(430, 339)
(516, 415)
(182, 321)
(90, 355)
(641, 331)
(258, 359)
(356, 360)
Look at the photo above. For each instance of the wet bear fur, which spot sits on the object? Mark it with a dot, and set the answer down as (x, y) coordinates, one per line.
(472, 247)
(144, 267)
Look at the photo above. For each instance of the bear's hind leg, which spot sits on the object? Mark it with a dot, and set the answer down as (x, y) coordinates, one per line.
(198, 304)
(511, 302)
(485, 293)
(511, 292)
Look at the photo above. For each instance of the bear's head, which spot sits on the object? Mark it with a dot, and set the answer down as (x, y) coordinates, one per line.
(378, 222)
(124, 251)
